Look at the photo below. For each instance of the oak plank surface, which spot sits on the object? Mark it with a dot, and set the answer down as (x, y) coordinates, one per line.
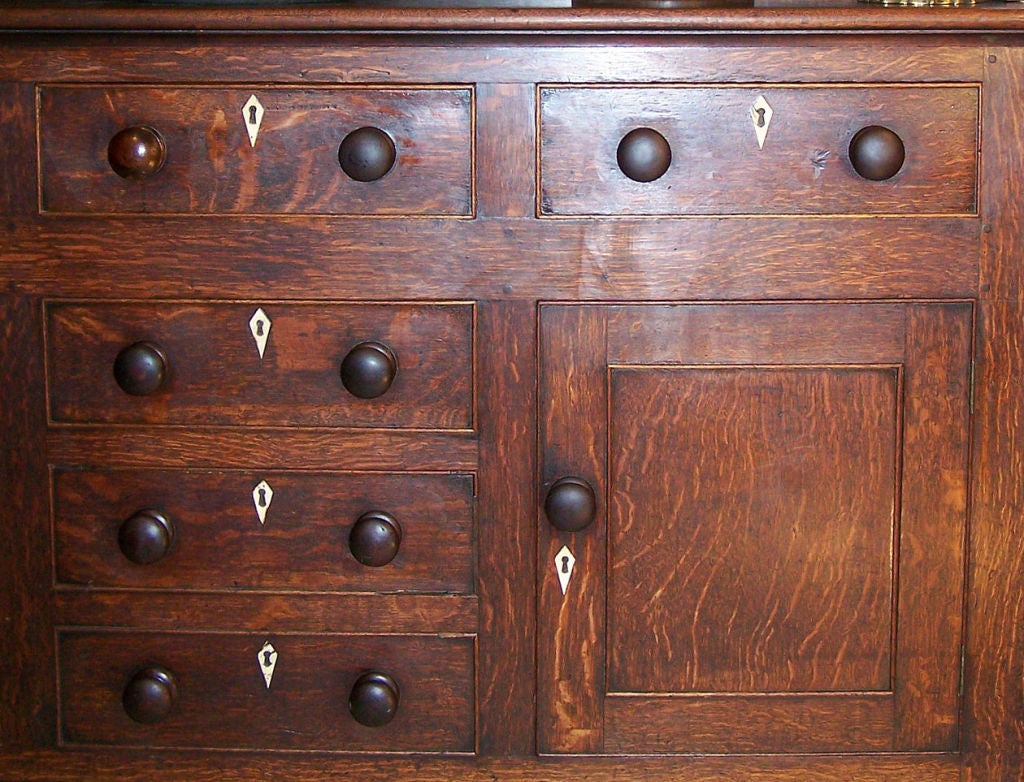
(531, 675)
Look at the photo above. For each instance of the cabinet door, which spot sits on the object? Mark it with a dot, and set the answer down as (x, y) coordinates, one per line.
(775, 557)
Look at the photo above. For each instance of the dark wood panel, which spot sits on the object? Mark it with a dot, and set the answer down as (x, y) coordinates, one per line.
(833, 333)
(302, 542)
(507, 530)
(278, 449)
(223, 700)
(731, 724)
(506, 165)
(17, 163)
(573, 433)
(716, 165)
(257, 58)
(994, 665)
(106, 766)
(994, 708)
(212, 166)
(933, 525)
(216, 375)
(254, 612)
(27, 689)
(1002, 155)
(630, 259)
(751, 529)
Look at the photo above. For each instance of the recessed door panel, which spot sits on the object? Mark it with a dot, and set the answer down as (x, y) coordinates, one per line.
(750, 529)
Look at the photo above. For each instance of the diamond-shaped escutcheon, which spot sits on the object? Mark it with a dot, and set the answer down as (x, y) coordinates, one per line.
(267, 658)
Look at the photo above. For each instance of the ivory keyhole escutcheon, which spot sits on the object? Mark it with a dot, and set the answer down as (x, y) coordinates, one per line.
(564, 564)
(252, 113)
(259, 327)
(761, 115)
(267, 657)
(262, 496)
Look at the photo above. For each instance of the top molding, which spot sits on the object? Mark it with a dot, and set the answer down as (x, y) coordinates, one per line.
(507, 16)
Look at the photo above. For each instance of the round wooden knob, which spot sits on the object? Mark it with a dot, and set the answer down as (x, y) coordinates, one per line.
(369, 369)
(644, 155)
(136, 152)
(876, 153)
(374, 699)
(571, 504)
(141, 369)
(150, 695)
(367, 154)
(145, 537)
(375, 538)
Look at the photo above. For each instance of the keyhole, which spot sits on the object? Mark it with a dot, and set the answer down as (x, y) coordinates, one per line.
(263, 498)
(259, 328)
(565, 564)
(760, 117)
(266, 659)
(252, 115)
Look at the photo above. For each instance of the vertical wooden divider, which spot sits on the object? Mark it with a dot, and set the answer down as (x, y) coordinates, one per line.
(571, 634)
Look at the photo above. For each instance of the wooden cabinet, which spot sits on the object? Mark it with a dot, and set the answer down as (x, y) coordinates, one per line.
(511, 393)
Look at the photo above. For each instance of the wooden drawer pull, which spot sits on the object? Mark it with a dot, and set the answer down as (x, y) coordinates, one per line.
(877, 153)
(150, 695)
(374, 699)
(571, 504)
(367, 154)
(369, 370)
(141, 369)
(145, 537)
(375, 538)
(644, 155)
(136, 152)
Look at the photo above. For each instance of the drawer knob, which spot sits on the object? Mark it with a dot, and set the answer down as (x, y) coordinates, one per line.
(136, 152)
(644, 155)
(369, 369)
(150, 695)
(141, 369)
(571, 504)
(375, 538)
(145, 537)
(367, 154)
(876, 153)
(374, 699)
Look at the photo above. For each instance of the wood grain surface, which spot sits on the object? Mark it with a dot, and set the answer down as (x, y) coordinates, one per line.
(795, 393)
(212, 167)
(718, 167)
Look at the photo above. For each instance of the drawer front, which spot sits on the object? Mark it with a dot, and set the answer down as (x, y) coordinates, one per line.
(331, 532)
(206, 159)
(711, 141)
(200, 363)
(228, 690)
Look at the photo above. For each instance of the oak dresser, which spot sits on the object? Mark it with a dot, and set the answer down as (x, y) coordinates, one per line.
(511, 390)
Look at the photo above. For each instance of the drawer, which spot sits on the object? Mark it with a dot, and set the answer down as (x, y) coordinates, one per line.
(711, 138)
(355, 365)
(323, 532)
(235, 690)
(259, 150)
